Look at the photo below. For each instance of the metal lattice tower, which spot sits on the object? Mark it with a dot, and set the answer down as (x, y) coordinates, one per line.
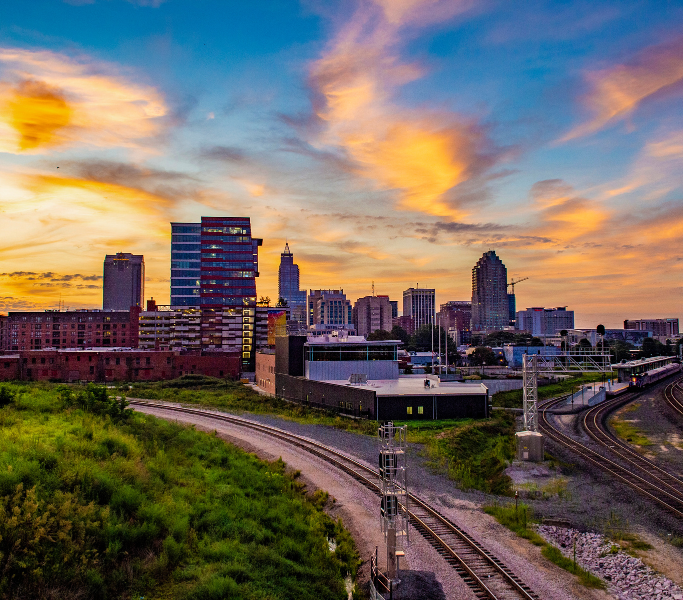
(394, 491)
(589, 360)
(530, 387)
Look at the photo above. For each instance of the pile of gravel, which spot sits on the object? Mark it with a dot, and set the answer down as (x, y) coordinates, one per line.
(628, 578)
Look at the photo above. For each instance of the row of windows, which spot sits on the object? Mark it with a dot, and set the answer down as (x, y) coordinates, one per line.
(231, 291)
(184, 291)
(187, 247)
(186, 228)
(225, 265)
(184, 282)
(238, 239)
(181, 264)
(185, 256)
(194, 273)
(229, 301)
(420, 410)
(228, 230)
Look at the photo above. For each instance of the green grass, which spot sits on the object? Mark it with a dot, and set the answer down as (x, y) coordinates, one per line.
(518, 520)
(474, 453)
(102, 506)
(234, 396)
(513, 398)
(628, 431)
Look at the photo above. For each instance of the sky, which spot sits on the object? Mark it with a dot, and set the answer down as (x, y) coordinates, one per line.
(387, 141)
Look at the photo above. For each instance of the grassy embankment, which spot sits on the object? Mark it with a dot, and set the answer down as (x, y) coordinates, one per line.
(518, 521)
(97, 502)
(233, 396)
(474, 453)
(625, 429)
(513, 398)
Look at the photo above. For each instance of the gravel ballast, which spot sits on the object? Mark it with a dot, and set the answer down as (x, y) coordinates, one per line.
(628, 578)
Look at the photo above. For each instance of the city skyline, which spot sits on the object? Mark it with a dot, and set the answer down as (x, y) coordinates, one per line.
(483, 127)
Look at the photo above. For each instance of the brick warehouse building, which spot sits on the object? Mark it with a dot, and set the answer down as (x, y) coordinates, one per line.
(70, 329)
(104, 365)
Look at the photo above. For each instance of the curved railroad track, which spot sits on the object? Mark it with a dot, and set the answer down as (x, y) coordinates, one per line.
(618, 458)
(485, 574)
(670, 396)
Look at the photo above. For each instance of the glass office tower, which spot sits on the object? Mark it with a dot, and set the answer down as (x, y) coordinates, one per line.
(185, 264)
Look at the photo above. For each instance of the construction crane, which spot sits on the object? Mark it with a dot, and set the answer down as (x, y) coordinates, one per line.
(513, 282)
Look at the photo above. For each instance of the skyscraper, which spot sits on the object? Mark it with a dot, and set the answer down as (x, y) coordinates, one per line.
(214, 265)
(124, 281)
(420, 304)
(489, 294)
(288, 286)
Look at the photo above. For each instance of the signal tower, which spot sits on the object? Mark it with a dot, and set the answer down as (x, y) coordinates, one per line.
(394, 491)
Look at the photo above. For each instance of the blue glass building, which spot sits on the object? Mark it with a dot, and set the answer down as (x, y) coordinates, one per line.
(185, 264)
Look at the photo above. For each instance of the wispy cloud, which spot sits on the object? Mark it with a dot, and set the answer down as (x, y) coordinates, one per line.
(52, 100)
(420, 153)
(616, 92)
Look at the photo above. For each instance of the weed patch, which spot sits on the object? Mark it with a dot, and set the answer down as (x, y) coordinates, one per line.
(474, 453)
(518, 520)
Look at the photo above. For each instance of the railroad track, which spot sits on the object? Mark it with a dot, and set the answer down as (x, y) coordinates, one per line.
(670, 396)
(485, 574)
(618, 458)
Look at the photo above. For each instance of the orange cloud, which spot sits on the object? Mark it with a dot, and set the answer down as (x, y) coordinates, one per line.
(422, 154)
(49, 100)
(38, 113)
(617, 91)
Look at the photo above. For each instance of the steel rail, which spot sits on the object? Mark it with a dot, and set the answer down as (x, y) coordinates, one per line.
(636, 480)
(670, 396)
(480, 569)
(595, 424)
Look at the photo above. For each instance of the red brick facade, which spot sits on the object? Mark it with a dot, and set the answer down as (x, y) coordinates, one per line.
(70, 329)
(265, 371)
(114, 365)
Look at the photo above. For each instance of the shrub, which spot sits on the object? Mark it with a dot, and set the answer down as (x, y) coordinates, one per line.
(6, 396)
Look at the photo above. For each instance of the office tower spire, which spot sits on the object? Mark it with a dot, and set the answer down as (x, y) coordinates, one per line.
(288, 286)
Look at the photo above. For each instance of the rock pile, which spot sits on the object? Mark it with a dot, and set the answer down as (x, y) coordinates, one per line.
(626, 577)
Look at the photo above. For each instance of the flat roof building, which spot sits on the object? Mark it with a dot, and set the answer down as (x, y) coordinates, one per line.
(658, 327)
(372, 313)
(540, 322)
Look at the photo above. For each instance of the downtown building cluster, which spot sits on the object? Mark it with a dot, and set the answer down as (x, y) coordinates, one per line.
(214, 315)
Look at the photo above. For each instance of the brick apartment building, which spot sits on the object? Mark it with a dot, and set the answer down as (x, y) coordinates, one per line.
(103, 365)
(69, 329)
(658, 327)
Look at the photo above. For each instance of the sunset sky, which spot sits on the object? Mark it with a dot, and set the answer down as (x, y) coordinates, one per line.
(391, 141)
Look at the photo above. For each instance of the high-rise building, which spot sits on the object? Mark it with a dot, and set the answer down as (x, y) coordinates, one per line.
(394, 308)
(288, 286)
(540, 321)
(329, 310)
(186, 263)
(455, 317)
(490, 309)
(658, 327)
(124, 281)
(214, 265)
(420, 304)
(372, 313)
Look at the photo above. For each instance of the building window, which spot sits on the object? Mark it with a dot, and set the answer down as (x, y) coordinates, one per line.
(410, 410)
(420, 410)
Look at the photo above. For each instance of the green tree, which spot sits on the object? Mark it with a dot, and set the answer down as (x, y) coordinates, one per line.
(281, 302)
(584, 343)
(652, 347)
(483, 355)
(380, 334)
(398, 333)
(498, 338)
